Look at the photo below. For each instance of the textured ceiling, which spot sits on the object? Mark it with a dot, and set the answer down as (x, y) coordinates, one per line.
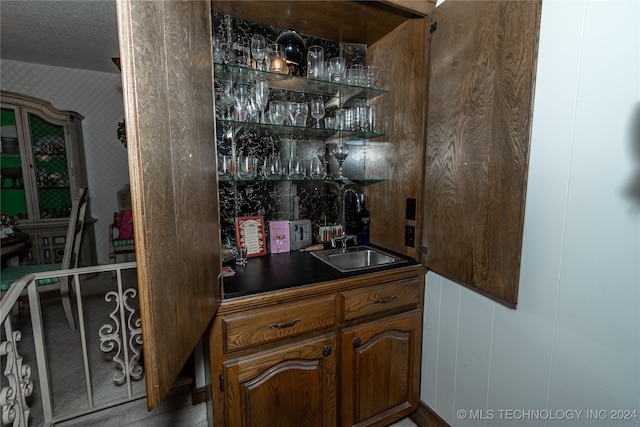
(66, 33)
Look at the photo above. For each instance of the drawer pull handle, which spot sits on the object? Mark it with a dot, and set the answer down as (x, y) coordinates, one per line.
(284, 325)
(386, 300)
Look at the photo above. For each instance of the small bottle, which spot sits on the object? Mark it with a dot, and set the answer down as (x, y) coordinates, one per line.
(363, 222)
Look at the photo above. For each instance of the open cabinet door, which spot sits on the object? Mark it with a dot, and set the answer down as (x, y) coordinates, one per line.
(482, 74)
(165, 49)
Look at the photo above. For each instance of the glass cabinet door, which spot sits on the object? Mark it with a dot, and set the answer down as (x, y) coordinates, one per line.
(35, 167)
(13, 196)
(50, 167)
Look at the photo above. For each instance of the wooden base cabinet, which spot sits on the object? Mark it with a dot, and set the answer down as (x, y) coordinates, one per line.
(381, 370)
(291, 385)
(343, 353)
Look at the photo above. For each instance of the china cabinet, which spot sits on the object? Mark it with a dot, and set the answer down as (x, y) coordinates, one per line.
(43, 164)
(453, 156)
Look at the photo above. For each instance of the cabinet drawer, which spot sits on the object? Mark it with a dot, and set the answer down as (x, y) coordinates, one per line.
(263, 325)
(378, 299)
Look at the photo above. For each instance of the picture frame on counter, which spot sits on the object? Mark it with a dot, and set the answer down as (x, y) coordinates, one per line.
(250, 235)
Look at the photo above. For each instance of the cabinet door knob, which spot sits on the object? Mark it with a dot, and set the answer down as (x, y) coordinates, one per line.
(326, 350)
(284, 325)
(357, 342)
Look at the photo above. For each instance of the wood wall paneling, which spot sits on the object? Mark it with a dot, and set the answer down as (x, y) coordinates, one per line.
(399, 156)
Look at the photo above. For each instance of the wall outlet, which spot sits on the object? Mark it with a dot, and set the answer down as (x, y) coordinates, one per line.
(409, 235)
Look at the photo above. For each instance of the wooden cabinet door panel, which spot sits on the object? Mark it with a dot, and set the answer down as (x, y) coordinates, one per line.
(381, 370)
(482, 73)
(288, 386)
(167, 81)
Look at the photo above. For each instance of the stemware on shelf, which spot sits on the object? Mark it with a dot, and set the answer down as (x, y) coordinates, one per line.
(261, 90)
(259, 50)
(340, 152)
(317, 109)
(226, 97)
(241, 100)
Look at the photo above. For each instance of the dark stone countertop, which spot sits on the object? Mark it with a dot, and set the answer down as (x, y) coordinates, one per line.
(287, 270)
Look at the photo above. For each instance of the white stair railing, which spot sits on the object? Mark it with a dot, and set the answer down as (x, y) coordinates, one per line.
(26, 399)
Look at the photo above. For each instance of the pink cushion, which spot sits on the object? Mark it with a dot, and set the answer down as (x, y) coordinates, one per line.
(126, 225)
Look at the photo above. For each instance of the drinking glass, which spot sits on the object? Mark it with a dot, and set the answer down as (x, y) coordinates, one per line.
(355, 75)
(276, 58)
(340, 153)
(272, 167)
(372, 74)
(240, 52)
(247, 167)
(262, 96)
(226, 97)
(337, 68)
(276, 111)
(258, 50)
(220, 50)
(317, 110)
(317, 169)
(298, 112)
(225, 166)
(241, 101)
(315, 62)
(297, 168)
(241, 255)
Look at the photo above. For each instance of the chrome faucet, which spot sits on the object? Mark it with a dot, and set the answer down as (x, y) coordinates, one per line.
(346, 237)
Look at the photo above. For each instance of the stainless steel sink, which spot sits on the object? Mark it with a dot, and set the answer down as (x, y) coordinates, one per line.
(356, 258)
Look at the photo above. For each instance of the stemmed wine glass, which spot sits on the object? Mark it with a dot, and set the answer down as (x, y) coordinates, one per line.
(258, 50)
(262, 96)
(340, 153)
(227, 97)
(240, 102)
(317, 110)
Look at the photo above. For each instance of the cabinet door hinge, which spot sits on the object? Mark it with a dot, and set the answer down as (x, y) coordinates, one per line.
(221, 382)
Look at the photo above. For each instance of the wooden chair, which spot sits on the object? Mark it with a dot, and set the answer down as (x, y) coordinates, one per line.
(119, 245)
(11, 274)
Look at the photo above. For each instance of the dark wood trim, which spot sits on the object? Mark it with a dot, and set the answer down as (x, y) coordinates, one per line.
(426, 417)
(199, 395)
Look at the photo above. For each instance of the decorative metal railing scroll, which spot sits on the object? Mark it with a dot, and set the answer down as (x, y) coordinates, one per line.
(123, 336)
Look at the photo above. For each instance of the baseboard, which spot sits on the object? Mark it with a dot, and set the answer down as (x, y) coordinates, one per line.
(426, 417)
(199, 395)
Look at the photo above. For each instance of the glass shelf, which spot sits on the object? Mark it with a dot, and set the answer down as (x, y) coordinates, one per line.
(295, 131)
(361, 181)
(339, 94)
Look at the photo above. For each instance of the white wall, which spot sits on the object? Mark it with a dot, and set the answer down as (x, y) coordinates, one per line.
(98, 97)
(573, 343)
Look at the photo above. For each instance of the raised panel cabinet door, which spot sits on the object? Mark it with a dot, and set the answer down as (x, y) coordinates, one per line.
(482, 74)
(381, 370)
(167, 81)
(288, 386)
